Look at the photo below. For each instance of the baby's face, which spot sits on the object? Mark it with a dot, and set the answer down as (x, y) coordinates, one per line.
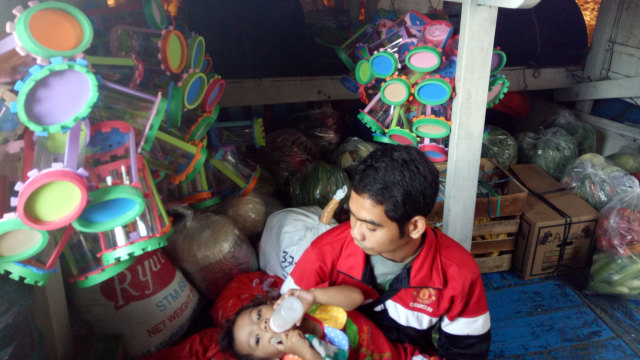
(253, 335)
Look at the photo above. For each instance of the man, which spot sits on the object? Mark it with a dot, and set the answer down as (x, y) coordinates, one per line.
(415, 279)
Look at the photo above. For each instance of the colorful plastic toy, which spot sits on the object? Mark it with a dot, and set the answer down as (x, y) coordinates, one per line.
(48, 30)
(356, 47)
(53, 193)
(117, 198)
(236, 133)
(81, 263)
(182, 160)
(54, 98)
(215, 90)
(195, 52)
(161, 51)
(243, 172)
(146, 232)
(143, 111)
(194, 85)
(125, 71)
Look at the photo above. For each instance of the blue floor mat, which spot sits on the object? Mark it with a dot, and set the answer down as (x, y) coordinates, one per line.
(556, 318)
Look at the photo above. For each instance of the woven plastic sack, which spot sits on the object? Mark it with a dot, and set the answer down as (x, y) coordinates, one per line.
(249, 213)
(500, 146)
(596, 181)
(552, 149)
(211, 250)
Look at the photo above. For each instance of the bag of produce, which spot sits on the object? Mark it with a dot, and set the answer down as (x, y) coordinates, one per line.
(628, 158)
(351, 152)
(615, 275)
(500, 146)
(616, 268)
(583, 132)
(552, 149)
(596, 181)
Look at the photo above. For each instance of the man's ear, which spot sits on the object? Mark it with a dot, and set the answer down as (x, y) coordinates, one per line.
(417, 226)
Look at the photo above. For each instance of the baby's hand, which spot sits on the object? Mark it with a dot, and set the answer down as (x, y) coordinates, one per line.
(294, 342)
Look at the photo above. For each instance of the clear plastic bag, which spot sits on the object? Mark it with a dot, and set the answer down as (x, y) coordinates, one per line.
(584, 133)
(628, 158)
(287, 152)
(595, 181)
(323, 127)
(317, 184)
(351, 152)
(210, 249)
(500, 146)
(552, 149)
(616, 268)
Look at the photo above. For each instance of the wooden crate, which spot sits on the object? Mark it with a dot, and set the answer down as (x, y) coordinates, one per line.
(494, 232)
(510, 199)
(493, 242)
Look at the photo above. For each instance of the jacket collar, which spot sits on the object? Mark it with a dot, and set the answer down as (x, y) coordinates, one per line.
(426, 268)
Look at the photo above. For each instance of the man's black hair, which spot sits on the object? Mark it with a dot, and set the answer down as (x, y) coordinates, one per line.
(401, 179)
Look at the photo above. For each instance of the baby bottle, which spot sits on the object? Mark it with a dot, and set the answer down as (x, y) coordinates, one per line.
(286, 314)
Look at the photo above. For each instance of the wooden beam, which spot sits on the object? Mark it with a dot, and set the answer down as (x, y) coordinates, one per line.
(604, 89)
(283, 90)
(52, 317)
(600, 46)
(521, 78)
(510, 4)
(475, 48)
(241, 92)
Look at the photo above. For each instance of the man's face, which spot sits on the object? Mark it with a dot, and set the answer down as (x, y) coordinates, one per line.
(253, 335)
(373, 231)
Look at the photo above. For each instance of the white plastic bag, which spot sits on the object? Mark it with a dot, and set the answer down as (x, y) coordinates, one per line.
(288, 232)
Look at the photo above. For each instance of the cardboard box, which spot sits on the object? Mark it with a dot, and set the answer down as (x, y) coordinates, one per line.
(547, 241)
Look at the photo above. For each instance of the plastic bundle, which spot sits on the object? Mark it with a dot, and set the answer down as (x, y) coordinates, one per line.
(618, 230)
(211, 250)
(584, 133)
(628, 158)
(317, 184)
(323, 127)
(351, 152)
(287, 153)
(250, 212)
(500, 146)
(616, 268)
(552, 149)
(595, 181)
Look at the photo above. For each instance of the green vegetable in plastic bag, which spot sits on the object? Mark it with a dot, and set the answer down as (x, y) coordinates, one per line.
(317, 184)
(552, 149)
(500, 146)
(615, 275)
(584, 133)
